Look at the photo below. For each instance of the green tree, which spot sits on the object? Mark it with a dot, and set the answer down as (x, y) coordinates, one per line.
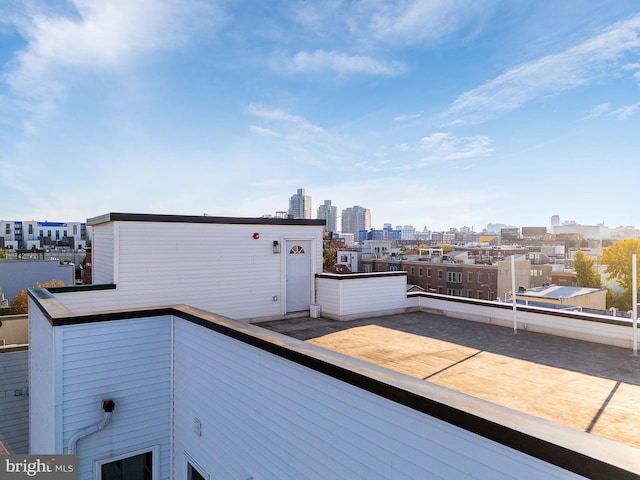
(617, 259)
(586, 275)
(3, 254)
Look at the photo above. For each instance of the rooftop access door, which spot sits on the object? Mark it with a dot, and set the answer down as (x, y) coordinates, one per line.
(298, 275)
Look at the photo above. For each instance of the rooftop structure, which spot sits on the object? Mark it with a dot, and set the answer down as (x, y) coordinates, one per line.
(188, 388)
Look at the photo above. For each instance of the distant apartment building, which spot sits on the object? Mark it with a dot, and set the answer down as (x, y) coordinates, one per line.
(387, 233)
(26, 235)
(300, 205)
(408, 232)
(356, 219)
(329, 213)
(598, 232)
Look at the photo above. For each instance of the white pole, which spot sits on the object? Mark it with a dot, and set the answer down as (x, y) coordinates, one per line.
(513, 292)
(634, 301)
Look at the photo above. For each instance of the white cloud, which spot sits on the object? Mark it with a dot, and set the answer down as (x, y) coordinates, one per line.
(264, 131)
(598, 111)
(623, 113)
(406, 117)
(280, 115)
(549, 75)
(340, 63)
(100, 35)
(443, 147)
(401, 22)
(416, 21)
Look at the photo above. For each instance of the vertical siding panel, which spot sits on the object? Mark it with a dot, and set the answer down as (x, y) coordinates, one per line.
(102, 254)
(14, 410)
(128, 361)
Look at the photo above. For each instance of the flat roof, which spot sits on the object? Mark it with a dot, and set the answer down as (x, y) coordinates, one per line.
(145, 217)
(586, 386)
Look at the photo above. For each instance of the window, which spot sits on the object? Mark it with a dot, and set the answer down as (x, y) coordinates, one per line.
(470, 293)
(469, 276)
(343, 259)
(480, 294)
(8, 229)
(454, 277)
(413, 270)
(135, 467)
(30, 229)
(479, 277)
(420, 271)
(440, 275)
(393, 268)
(428, 272)
(366, 267)
(75, 229)
(193, 474)
(296, 250)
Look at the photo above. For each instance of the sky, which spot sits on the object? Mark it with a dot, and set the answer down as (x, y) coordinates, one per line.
(436, 114)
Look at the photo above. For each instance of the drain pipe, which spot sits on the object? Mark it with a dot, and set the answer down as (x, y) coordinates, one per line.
(108, 407)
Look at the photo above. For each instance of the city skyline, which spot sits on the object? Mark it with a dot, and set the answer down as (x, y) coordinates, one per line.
(435, 114)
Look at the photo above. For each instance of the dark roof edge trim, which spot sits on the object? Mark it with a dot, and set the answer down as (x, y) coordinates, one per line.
(356, 276)
(160, 218)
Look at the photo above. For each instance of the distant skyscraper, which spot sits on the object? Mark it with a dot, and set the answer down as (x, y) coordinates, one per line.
(330, 214)
(300, 205)
(356, 219)
(555, 221)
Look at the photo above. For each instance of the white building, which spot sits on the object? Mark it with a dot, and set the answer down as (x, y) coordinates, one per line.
(15, 234)
(137, 372)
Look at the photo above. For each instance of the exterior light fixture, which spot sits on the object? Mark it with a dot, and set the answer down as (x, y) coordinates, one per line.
(276, 246)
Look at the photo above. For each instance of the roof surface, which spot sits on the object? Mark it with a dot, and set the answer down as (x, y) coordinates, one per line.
(586, 386)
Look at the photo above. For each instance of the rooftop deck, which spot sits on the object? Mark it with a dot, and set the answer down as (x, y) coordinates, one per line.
(587, 386)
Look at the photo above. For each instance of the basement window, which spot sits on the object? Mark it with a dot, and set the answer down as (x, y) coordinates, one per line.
(131, 466)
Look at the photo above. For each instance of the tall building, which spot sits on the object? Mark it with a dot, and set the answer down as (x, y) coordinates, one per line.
(555, 221)
(329, 213)
(356, 219)
(300, 205)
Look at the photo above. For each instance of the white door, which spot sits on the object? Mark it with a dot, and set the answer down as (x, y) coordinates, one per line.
(298, 275)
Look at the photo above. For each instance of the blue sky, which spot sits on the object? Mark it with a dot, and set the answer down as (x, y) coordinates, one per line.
(443, 113)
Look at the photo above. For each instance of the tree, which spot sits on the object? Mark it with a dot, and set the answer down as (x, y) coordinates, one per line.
(20, 304)
(586, 275)
(617, 259)
(330, 254)
(3, 254)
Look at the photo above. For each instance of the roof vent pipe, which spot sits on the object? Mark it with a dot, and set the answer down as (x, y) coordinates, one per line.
(107, 406)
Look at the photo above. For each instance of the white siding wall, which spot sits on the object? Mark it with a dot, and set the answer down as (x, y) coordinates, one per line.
(14, 410)
(128, 361)
(42, 379)
(362, 295)
(216, 267)
(265, 417)
(486, 312)
(102, 254)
